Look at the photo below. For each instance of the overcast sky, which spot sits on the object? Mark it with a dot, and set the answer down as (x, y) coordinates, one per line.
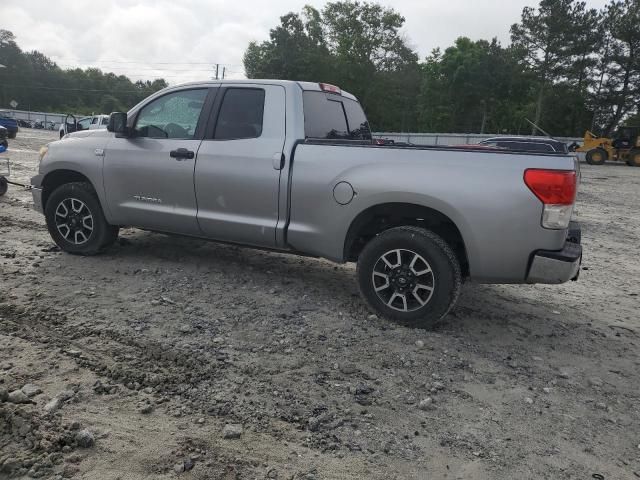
(147, 39)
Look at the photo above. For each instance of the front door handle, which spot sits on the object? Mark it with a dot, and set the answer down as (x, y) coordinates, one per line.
(182, 153)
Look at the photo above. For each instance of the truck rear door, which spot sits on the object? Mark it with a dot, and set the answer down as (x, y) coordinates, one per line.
(238, 166)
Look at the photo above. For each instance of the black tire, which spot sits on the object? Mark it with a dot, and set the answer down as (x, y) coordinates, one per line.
(61, 135)
(66, 198)
(444, 277)
(633, 159)
(4, 186)
(13, 135)
(4, 143)
(597, 156)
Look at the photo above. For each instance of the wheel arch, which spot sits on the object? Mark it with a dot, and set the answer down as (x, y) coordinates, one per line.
(378, 218)
(55, 178)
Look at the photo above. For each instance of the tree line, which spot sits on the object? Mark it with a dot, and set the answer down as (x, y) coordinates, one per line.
(37, 83)
(568, 68)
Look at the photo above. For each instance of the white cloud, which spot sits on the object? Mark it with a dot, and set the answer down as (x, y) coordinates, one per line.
(181, 40)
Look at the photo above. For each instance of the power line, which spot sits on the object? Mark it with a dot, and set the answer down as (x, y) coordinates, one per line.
(66, 65)
(146, 62)
(97, 90)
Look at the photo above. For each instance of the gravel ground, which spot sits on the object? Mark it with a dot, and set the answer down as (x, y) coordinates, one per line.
(169, 357)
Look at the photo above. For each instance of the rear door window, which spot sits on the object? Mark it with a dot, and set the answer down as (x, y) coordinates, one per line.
(241, 114)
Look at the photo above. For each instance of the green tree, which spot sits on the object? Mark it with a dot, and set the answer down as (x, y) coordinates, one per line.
(356, 45)
(544, 39)
(619, 94)
(473, 87)
(37, 83)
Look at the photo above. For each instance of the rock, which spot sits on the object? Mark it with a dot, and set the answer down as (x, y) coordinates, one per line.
(200, 421)
(595, 382)
(69, 470)
(348, 368)
(85, 439)
(537, 359)
(65, 395)
(419, 343)
(189, 464)
(529, 400)
(4, 395)
(18, 396)
(272, 473)
(564, 374)
(31, 390)
(438, 385)
(601, 406)
(372, 317)
(53, 405)
(546, 390)
(426, 404)
(145, 408)
(232, 431)
(178, 467)
(11, 465)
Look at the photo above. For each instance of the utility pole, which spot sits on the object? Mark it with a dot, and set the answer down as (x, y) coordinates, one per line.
(217, 66)
(223, 70)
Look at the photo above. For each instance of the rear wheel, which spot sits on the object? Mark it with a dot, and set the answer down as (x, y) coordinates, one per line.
(75, 220)
(410, 275)
(4, 186)
(596, 156)
(633, 160)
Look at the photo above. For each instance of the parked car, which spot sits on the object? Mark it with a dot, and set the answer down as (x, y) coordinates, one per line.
(93, 122)
(4, 134)
(528, 144)
(291, 166)
(10, 124)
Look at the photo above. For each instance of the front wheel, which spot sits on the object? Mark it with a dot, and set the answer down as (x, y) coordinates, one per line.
(596, 156)
(410, 275)
(75, 220)
(633, 160)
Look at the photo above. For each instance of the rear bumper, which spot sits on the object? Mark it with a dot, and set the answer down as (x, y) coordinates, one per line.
(553, 266)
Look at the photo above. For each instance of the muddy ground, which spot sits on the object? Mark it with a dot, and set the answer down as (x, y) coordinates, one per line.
(146, 361)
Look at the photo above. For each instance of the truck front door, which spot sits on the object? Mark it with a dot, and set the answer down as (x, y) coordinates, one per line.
(238, 168)
(148, 177)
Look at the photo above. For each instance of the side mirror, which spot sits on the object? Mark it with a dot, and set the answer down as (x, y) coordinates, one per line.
(118, 124)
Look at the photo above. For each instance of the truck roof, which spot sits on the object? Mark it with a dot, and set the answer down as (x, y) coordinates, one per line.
(310, 86)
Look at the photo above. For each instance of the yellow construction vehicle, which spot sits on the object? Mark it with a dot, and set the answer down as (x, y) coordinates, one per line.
(625, 147)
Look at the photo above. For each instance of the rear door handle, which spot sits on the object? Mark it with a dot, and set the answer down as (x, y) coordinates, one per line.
(182, 153)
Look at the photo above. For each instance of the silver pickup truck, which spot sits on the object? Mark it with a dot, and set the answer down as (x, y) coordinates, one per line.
(291, 166)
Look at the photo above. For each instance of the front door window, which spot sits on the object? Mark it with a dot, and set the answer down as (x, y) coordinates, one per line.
(173, 116)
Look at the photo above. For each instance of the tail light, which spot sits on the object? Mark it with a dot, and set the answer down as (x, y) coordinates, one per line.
(556, 189)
